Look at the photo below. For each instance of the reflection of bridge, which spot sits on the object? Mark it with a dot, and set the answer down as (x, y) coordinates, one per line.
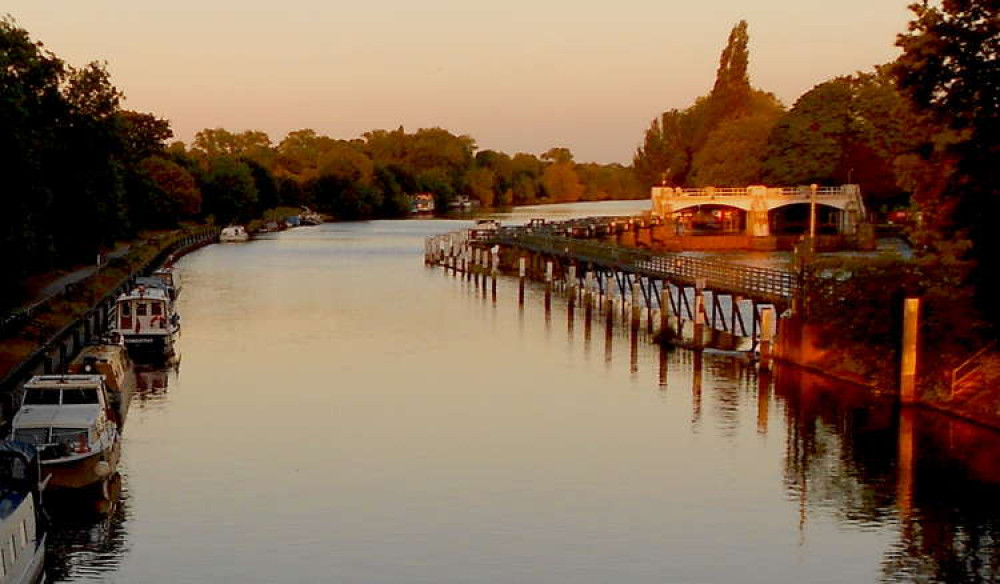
(843, 206)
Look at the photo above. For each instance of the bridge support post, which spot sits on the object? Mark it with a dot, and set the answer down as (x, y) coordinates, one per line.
(571, 287)
(767, 327)
(548, 286)
(522, 270)
(664, 307)
(636, 306)
(908, 372)
(699, 312)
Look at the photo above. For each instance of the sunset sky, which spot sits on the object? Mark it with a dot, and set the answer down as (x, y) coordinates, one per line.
(516, 75)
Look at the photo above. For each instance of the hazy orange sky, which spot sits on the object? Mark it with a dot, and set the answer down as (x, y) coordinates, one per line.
(516, 76)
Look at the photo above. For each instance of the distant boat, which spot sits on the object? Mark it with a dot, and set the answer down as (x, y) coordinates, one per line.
(460, 203)
(421, 204)
(309, 217)
(234, 233)
(22, 522)
(69, 419)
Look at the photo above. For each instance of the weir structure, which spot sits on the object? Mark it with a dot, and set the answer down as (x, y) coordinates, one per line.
(708, 300)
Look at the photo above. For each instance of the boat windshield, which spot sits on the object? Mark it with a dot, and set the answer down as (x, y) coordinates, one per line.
(41, 397)
(80, 395)
(33, 436)
(69, 436)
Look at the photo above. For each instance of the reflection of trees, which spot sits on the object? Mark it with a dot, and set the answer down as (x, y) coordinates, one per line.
(851, 456)
(951, 531)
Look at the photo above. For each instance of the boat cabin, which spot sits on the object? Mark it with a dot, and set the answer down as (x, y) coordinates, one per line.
(22, 532)
(62, 415)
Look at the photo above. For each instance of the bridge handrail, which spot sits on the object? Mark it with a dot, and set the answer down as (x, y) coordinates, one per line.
(773, 283)
(797, 191)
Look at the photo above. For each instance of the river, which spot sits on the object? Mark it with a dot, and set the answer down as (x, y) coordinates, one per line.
(342, 413)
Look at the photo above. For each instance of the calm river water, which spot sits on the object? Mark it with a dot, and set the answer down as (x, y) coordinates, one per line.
(342, 413)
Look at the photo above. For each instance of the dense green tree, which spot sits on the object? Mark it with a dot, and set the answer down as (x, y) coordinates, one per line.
(672, 146)
(175, 184)
(142, 135)
(733, 153)
(849, 129)
(228, 190)
(950, 67)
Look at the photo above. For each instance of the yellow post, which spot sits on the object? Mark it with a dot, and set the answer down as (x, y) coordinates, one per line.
(908, 373)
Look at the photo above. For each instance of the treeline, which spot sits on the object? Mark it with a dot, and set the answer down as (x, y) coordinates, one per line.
(374, 175)
(852, 129)
(81, 172)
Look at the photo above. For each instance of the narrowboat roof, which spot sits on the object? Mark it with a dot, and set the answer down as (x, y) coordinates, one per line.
(64, 381)
(103, 353)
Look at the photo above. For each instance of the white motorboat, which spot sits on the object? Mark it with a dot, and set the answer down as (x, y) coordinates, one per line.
(69, 419)
(234, 233)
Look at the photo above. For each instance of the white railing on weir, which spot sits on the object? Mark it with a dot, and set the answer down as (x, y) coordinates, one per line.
(800, 191)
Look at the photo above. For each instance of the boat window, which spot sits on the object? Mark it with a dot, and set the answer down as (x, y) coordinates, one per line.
(13, 550)
(3, 564)
(33, 436)
(157, 308)
(24, 533)
(42, 397)
(79, 395)
(126, 309)
(69, 436)
(140, 309)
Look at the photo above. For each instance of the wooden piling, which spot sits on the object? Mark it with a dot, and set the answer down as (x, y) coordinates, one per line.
(908, 370)
(699, 312)
(664, 306)
(636, 306)
(767, 326)
(548, 286)
(522, 270)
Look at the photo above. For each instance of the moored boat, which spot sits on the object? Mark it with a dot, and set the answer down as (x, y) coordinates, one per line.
(170, 279)
(68, 419)
(112, 361)
(234, 233)
(147, 322)
(22, 526)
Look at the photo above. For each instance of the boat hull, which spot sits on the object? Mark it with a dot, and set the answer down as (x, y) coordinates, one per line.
(82, 473)
(149, 348)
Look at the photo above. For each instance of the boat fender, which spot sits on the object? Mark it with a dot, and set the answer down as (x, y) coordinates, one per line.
(102, 468)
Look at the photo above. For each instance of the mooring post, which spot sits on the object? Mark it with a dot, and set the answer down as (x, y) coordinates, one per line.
(571, 282)
(548, 286)
(494, 268)
(699, 312)
(908, 371)
(636, 306)
(522, 271)
(588, 301)
(767, 327)
(649, 299)
(664, 307)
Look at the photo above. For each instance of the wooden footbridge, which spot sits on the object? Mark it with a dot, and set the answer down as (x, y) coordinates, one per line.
(709, 294)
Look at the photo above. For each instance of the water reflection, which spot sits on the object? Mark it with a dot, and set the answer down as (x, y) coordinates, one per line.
(87, 538)
(346, 414)
(935, 477)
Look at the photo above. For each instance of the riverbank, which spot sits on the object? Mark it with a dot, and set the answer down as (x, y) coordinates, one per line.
(31, 329)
